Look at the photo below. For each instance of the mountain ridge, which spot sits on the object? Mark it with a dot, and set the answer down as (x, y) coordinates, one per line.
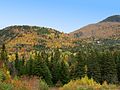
(35, 37)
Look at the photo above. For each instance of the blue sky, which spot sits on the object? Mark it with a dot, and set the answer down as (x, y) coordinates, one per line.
(63, 15)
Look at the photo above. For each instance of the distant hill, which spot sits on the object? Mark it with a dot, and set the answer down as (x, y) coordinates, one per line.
(108, 28)
(28, 38)
(33, 37)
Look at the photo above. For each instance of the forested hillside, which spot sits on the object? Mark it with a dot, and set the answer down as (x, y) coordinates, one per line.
(28, 38)
(40, 58)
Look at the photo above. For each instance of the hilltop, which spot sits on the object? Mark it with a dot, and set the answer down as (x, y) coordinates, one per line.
(33, 37)
(114, 18)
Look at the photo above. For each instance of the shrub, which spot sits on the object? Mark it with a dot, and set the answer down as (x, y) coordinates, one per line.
(87, 84)
(43, 85)
(19, 85)
(6, 86)
(2, 77)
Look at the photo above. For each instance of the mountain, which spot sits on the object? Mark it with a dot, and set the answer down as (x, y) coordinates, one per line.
(28, 38)
(108, 28)
(114, 18)
(32, 37)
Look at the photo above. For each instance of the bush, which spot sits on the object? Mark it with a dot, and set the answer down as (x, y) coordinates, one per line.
(19, 84)
(43, 85)
(2, 77)
(87, 84)
(5, 86)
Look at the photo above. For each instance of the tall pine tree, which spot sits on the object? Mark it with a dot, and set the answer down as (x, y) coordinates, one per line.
(42, 70)
(93, 66)
(80, 65)
(108, 68)
(4, 57)
(55, 66)
(65, 74)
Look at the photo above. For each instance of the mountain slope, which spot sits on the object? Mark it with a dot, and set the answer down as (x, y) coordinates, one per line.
(106, 29)
(31, 37)
(99, 30)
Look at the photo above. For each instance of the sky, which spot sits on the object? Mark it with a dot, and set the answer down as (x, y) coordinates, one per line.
(63, 15)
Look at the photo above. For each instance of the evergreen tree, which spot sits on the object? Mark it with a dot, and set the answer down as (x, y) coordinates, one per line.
(17, 63)
(118, 68)
(80, 65)
(72, 66)
(42, 70)
(117, 59)
(4, 57)
(65, 75)
(55, 66)
(108, 68)
(30, 66)
(22, 66)
(94, 67)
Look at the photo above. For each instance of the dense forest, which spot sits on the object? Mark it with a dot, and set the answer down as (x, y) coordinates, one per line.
(58, 67)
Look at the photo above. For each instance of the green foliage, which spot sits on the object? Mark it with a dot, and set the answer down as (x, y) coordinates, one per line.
(5, 86)
(20, 65)
(43, 85)
(30, 67)
(42, 70)
(58, 67)
(65, 74)
(108, 68)
(80, 65)
(2, 77)
(117, 60)
(43, 31)
(93, 65)
(55, 66)
(4, 56)
(17, 62)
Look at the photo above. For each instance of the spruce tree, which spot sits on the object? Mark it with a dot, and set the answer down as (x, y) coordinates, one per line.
(117, 59)
(20, 65)
(55, 66)
(30, 66)
(42, 70)
(108, 68)
(118, 68)
(4, 57)
(65, 74)
(17, 63)
(93, 67)
(80, 65)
